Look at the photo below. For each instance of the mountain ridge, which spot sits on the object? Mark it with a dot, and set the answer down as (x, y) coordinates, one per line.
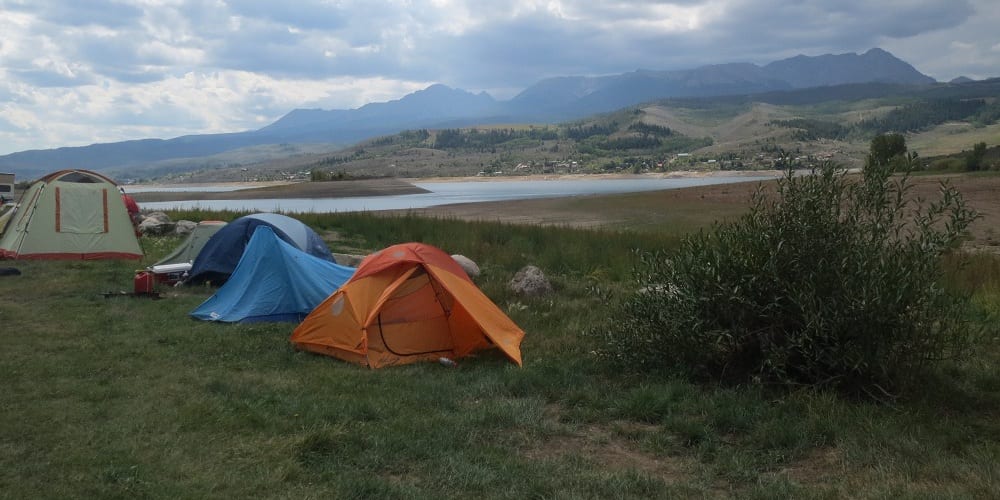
(549, 100)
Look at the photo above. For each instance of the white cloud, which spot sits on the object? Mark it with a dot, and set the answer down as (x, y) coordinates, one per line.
(195, 102)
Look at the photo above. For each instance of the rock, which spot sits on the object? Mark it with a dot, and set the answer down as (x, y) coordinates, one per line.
(530, 282)
(467, 264)
(184, 227)
(349, 260)
(160, 216)
(156, 224)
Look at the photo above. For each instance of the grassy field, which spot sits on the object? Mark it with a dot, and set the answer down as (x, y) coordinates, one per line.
(950, 138)
(120, 397)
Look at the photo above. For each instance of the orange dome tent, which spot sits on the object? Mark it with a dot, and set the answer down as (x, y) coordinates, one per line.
(410, 302)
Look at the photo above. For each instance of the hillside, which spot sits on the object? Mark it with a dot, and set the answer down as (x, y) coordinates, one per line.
(795, 129)
(438, 106)
(772, 130)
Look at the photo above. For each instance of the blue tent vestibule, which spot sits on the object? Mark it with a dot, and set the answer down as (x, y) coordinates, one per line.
(273, 281)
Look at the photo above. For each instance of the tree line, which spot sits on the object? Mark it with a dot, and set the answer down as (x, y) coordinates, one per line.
(910, 117)
(482, 139)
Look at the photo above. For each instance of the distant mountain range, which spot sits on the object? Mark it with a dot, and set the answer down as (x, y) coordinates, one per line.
(439, 106)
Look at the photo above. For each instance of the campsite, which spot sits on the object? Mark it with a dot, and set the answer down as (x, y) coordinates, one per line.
(107, 394)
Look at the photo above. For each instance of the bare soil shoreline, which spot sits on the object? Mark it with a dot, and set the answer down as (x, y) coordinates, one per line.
(379, 187)
(329, 189)
(684, 206)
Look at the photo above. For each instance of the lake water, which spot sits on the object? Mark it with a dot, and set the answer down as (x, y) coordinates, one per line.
(446, 193)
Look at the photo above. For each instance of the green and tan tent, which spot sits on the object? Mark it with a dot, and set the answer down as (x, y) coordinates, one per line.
(71, 214)
(186, 252)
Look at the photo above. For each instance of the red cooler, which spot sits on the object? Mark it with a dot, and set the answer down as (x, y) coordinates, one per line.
(144, 281)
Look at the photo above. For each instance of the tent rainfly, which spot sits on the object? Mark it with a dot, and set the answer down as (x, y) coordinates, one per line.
(274, 281)
(71, 214)
(195, 241)
(410, 302)
(218, 258)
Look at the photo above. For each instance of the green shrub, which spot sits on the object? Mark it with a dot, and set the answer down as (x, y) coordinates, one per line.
(832, 282)
(947, 165)
(974, 159)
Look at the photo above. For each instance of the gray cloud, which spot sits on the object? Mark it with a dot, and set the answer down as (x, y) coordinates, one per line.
(269, 57)
(766, 28)
(316, 39)
(75, 13)
(522, 51)
(303, 14)
(7, 126)
(51, 78)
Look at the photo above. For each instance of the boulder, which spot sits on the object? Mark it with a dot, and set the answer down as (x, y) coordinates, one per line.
(156, 223)
(184, 227)
(530, 282)
(468, 265)
(160, 216)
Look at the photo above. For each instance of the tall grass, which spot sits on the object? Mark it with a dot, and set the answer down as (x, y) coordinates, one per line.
(558, 250)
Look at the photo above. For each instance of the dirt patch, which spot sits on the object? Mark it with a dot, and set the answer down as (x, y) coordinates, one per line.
(608, 445)
(614, 453)
(590, 210)
(981, 194)
(820, 466)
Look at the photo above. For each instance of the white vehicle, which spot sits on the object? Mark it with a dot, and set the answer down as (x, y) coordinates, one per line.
(6, 199)
(6, 188)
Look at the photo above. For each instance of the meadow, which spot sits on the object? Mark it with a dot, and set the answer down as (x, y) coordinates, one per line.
(111, 396)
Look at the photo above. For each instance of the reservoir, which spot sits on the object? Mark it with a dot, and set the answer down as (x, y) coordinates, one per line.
(446, 193)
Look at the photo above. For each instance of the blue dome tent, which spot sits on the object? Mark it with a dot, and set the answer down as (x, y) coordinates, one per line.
(274, 281)
(221, 253)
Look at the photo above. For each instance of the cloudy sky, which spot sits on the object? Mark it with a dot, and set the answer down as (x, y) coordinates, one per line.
(76, 72)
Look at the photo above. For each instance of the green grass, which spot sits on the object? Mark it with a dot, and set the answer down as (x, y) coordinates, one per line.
(126, 397)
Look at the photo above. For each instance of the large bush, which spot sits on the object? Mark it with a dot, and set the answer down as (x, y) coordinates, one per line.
(833, 281)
